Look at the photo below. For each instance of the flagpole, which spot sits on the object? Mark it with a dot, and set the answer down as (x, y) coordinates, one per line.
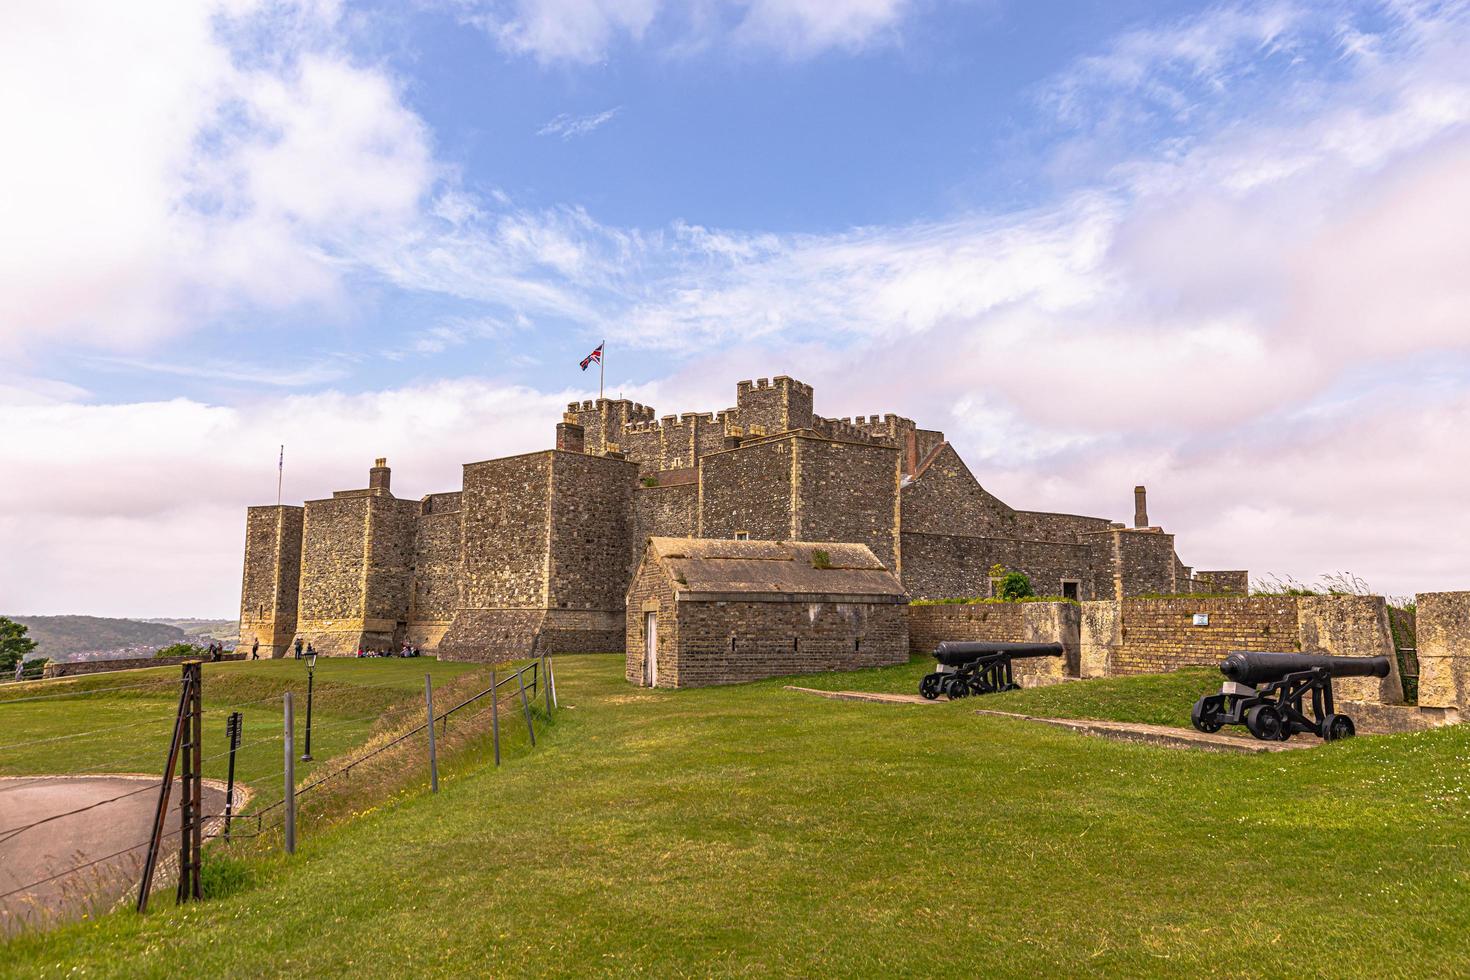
(280, 473)
(601, 368)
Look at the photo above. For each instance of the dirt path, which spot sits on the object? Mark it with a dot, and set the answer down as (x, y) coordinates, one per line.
(120, 817)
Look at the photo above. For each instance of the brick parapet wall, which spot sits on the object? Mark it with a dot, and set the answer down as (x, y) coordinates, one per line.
(1004, 622)
(1141, 636)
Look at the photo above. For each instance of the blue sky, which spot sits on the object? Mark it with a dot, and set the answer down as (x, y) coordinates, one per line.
(1214, 248)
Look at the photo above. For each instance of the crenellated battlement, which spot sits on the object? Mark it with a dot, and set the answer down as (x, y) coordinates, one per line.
(780, 382)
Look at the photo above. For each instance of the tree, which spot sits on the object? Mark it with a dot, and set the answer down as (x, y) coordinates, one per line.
(14, 644)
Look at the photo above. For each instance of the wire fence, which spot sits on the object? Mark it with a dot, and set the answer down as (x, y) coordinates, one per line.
(94, 753)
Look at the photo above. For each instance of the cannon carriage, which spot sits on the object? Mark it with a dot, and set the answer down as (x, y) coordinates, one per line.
(1266, 692)
(967, 668)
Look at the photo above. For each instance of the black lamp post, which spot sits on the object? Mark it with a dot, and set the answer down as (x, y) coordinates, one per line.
(310, 683)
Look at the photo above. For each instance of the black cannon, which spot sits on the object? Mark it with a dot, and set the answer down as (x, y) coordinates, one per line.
(979, 668)
(1265, 691)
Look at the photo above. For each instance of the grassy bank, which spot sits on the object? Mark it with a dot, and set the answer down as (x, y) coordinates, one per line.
(752, 830)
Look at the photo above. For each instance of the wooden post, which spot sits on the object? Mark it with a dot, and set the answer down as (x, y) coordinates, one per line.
(150, 863)
(495, 714)
(290, 745)
(433, 759)
(191, 784)
(526, 705)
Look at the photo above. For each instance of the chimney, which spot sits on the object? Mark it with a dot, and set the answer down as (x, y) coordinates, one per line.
(379, 475)
(1140, 507)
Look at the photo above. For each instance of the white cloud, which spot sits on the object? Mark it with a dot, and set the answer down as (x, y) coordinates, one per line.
(584, 31)
(569, 127)
(185, 158)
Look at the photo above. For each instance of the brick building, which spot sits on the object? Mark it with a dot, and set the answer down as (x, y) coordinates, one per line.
(536, 552)
(709, 611)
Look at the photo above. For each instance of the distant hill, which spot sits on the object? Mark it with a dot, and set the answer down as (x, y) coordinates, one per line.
(224, 630)
(97, 637)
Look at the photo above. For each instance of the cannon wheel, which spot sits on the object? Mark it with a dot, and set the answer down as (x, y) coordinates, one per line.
(1266, 723)
(1205, 720)
(956, 688)
(929, 686)
(1335, 727)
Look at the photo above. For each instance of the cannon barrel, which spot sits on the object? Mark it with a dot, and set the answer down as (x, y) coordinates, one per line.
(954, 653)
(1250, 667)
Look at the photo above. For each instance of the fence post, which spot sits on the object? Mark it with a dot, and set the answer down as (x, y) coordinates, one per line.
(290, 743)
(546, 679)
(191, 782)
(150, 863)
(495, 714)
(551, 684)
(233, 726)
(526, 705)
(433, 759)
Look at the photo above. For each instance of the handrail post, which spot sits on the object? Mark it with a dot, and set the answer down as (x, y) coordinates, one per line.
(290, 744)
(526, 705)
(495, 714)
(433, 759)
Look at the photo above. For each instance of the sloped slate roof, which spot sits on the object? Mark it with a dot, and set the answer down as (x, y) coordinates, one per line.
(775, 571)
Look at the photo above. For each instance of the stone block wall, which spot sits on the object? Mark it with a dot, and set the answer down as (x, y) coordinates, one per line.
(1146, 563)
(436, 563)
(1004, 622)
(1237, 581)
(74, 669)
(848, 491)
(772, 406)
(945, 566)
(748, 490)
(1140, 636)
(732, 642)
(651, 591)
(272, 578)
(334, 543)
(590, 508)
(668, 511)
(1443, 626)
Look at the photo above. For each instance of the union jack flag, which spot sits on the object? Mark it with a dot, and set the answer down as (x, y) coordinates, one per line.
(593, 358)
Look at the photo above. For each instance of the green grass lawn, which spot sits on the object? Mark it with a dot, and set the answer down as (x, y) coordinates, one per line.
(124, 723)
(752, 830)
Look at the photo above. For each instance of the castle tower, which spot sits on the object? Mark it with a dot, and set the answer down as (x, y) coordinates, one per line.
(272, 578)
(768, 406)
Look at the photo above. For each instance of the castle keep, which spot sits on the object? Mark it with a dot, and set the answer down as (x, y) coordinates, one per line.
(536, 552)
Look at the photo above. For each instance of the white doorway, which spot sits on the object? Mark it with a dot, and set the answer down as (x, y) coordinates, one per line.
(650, 649)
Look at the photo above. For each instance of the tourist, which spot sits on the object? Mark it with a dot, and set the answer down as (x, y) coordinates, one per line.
(255, 648)
(298, 648)
(309, 651)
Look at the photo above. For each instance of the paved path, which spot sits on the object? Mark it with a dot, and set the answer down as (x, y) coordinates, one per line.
(29, 855)
(1177, 738)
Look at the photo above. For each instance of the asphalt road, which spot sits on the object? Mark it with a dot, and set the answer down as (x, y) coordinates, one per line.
(111, 825)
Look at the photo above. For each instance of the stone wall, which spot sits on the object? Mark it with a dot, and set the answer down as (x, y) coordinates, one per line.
(53, 669)
(589, 567)
(771, 406)
(1443, 626)
(848, 492)
(1139, 636)
(749, 490)
(333, 569)
(651, 591)
(668, 511)
(436, 564)
(948, 566)
(272, 578)
(1237, 581)
(1146, 563)
(731, 642)
(947, 499)
(1004, 622)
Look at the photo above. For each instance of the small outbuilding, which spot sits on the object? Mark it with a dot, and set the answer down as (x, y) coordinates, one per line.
(707, 611)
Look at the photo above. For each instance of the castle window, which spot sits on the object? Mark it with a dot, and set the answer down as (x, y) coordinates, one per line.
(742, 535)
(1071, 590)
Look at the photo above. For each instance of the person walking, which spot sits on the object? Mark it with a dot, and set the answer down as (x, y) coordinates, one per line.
(298, 648)
(255, 649)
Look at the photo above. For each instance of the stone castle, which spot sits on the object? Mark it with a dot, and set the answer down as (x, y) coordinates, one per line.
(535, 552)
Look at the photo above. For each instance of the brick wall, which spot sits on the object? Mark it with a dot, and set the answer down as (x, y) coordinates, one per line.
(731, 642)
(1139, 636)
(1004, 622)
(1158, 635)
(651, 591)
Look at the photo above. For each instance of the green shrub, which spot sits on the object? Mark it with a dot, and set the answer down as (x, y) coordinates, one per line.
(14, 643)
(650, 481)
(181, 650)
(221, 875)
(820, 559)
(1015, 586)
